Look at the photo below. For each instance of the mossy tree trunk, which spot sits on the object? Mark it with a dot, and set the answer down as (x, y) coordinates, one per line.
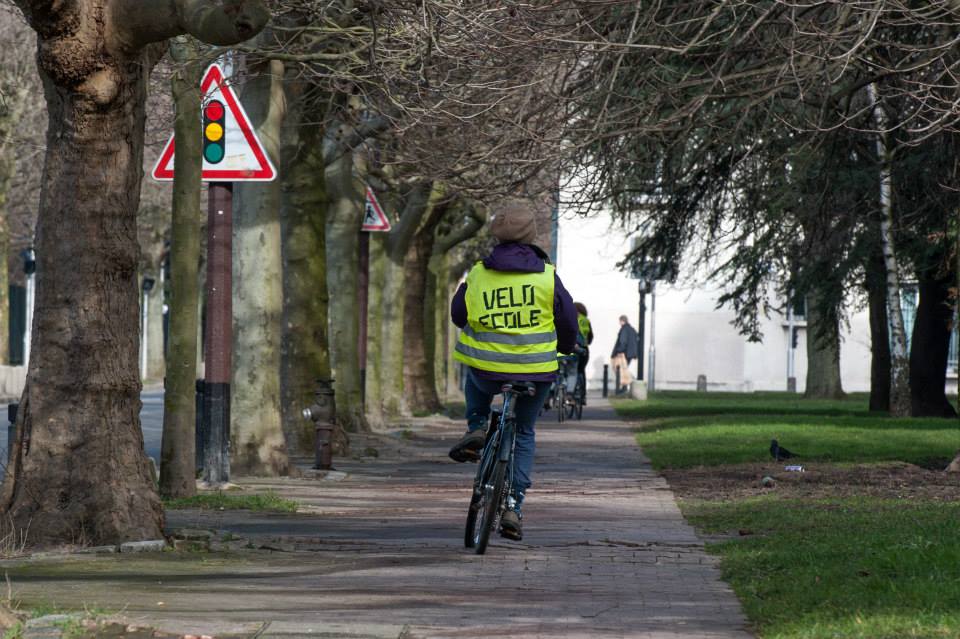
(374, 395)
(177, 457)
(418, 327)
(414, 206)
(257, 443)
(305, 351)
(342, 244)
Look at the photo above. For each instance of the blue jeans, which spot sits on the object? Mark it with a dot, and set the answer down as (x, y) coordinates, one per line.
(479, 394)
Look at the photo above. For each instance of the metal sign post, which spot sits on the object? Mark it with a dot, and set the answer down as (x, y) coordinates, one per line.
(218, 331)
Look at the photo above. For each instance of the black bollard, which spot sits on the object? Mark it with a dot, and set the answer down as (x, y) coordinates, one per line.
(201, 429)
(606, 378)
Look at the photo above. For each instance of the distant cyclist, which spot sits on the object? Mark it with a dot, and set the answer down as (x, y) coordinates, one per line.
(584, 339)
(515, 316)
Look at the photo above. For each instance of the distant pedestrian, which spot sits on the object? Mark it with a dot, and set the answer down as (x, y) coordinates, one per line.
(625, 351)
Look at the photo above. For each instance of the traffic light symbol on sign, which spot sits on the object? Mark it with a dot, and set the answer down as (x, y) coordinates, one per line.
(214, 141)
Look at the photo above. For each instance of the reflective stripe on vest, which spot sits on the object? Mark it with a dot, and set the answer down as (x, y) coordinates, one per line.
(510, 326)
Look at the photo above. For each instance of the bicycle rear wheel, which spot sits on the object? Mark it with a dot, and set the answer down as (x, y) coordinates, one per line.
(488, 507)
(561, 398)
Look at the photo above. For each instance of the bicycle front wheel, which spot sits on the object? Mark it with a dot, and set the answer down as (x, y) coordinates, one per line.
(488, 507)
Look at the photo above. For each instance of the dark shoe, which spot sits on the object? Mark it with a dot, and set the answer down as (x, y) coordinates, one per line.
(468, 448)
(511, 525)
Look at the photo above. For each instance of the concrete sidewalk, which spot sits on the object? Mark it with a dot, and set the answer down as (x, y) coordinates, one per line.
(378, 552)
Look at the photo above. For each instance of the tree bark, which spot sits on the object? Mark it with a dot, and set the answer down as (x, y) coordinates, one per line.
(418, 333)
(929, 347)
(178, 447)
(374, 395)
(899, 362)
(258, 446)
(83, 390)
(4, 282)
(392, 388)
(879, 333)
(823, 351)
(305, 351)
(78, 470)
(342, 242)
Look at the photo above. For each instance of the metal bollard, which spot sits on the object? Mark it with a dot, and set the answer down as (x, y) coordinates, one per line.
(323, 413)
(616, 378)
(201, 427)
(606, 378)
(701, 383)
(11, 429)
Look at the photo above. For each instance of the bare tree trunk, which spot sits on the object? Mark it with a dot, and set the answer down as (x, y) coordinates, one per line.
(441, 324)
(823, 351)
(83, 389)
(899, 362)
(879, 333)
(929, 347)
(258, 446)
(418, 327)
(342, 241)
(4, 280)
(374, 395)
(178, 455)
(306, 355)
(392, 386)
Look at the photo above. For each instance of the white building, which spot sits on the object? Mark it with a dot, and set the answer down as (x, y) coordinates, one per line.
(690, 335)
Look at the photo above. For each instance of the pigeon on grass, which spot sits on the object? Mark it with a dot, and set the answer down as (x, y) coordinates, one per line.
(778, 452)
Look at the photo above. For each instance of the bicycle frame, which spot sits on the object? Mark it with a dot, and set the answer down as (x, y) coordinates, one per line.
(493, 450)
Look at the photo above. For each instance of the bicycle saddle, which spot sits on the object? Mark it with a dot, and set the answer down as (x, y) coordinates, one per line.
(523, 388)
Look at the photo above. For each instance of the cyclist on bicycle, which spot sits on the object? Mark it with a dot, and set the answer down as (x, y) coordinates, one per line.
(584, 339)
(515, 315)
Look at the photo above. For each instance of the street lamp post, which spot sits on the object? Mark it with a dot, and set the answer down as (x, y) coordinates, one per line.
(148, 283)
(30, 269)
(652, 368)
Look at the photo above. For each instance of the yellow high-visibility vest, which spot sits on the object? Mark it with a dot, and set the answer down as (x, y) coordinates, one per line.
(510, 326)
(584, 325)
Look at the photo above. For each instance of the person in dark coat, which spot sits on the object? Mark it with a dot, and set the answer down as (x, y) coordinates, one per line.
(627, 344)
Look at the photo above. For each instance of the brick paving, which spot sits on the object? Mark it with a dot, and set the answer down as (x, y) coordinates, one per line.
(379, 553)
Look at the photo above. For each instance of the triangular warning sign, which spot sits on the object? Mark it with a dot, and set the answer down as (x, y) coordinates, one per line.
(232, 152)
(374, 218)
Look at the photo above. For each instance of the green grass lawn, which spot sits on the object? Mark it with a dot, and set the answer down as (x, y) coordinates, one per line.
(872, 567)
(681, 430)
(219, 500)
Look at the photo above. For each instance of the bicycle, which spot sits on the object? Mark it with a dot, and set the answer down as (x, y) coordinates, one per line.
(491, 486)
(575, 401)
(560, 394)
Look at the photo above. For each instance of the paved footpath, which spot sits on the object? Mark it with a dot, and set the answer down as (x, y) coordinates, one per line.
(378, 553)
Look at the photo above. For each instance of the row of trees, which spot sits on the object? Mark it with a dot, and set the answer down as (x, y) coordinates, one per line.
(787, 135)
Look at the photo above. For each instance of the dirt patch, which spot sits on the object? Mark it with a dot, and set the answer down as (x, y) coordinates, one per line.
(892, 480)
